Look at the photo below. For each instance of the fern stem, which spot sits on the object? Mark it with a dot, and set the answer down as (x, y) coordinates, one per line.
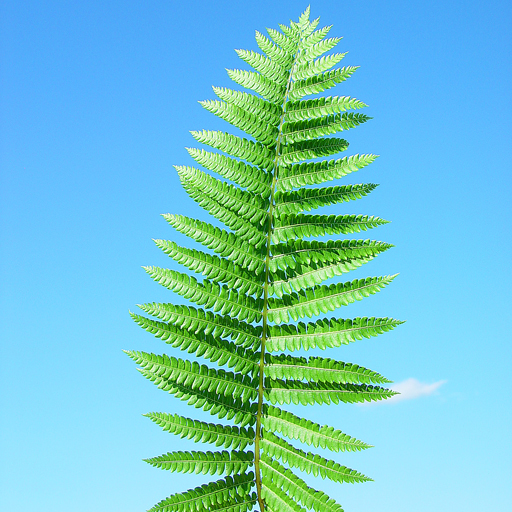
(265, 291)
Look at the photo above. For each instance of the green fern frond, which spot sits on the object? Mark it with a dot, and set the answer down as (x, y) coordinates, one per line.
(292, 485)
(315, 173)
(274, 446)
(204, 345)
(214, 268)
(322, 299)
(213, 463)
(326, 333)
(201, 432)
(320, 83)
(210, 295)
(261, 272)
(254, 152)
(301, 226)
(299, 393)
(209, 496)
(321, 369)
(306, 431)
(197, 320)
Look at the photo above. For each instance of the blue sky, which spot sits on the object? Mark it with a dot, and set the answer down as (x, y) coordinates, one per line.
(98, 99)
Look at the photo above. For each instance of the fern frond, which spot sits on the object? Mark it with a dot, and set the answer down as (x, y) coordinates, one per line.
(200, 321)
(213, 463)
(195, 376)
(224, 243)
(208, 496)
(321, 369)
(322, 299)
(315, 37)
(252, 178)
(274, 446)
(307, 199)
(315, 173)
(204, 345)
(292, 391)
(292, 485)
(309, 69)
(306, 431)
(250, 80)
(278, 55)
(301, 226)
(267, 67)
(318, 49)
(254, 152)
(208, 294)
(303, 110)
(283, 41)
(297, 131)
(200, 186)
(199, 431)
(277, 500)
(219, 270)
(326, 333)
(264, 110)
(320, 83)
(242, 413)
(242, 119)
(304, 150)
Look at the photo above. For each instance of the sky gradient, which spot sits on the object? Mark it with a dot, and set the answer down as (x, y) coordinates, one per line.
(98, 99)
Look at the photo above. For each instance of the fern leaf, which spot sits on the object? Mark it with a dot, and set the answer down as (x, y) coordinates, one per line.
(213, 463)
(302, 226)
(321, 369)
(295, 252)
(278, 55)
(320, 83)
(200, 321)
(304, 150)
(315, 37)
(214, 268)
(247, 176)
(262, 109)
(306, 431)
(320, 107)
(208, 496)
(254, 152)
(297, 131)
(204, 345)
(199, 431)
(267, 67)
(318, 49)
(277, 500)
(221, 241)
(292, 391)
(315, 173)
(242, 413)
(322, 299)
(307, 199)
(200, 186)
(267, 88)
(242, 119)
(326, 333)
(292, 485)
(208, 294)
(289, 46)
(309, 69)
(195, 376)
(274, 446)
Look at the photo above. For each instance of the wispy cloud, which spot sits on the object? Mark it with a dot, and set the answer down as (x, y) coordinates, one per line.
(409, 389)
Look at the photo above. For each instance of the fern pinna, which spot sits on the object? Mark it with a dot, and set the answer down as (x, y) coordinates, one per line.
(265, 277)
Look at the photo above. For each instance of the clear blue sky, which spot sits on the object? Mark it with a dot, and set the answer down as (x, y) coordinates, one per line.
(97, 102)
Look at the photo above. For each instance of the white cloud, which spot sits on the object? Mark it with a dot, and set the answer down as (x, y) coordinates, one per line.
(409, 389)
